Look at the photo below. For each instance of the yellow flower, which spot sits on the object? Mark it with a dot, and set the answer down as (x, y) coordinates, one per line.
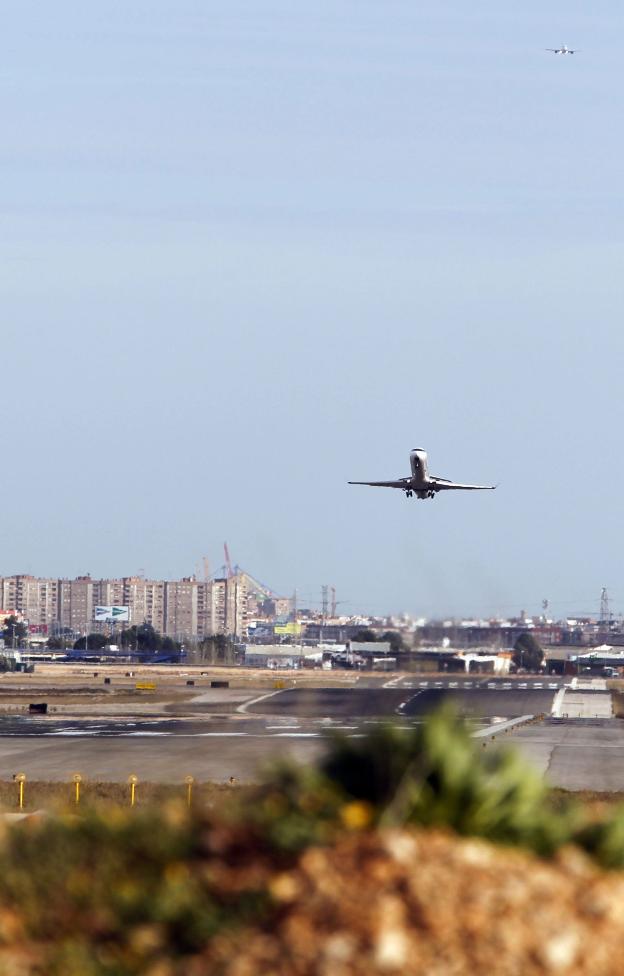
(357, 815)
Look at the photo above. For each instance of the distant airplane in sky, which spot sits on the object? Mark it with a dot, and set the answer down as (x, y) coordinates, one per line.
(421, 483)
(562, 50)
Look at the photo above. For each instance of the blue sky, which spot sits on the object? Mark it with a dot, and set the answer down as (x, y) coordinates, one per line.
(251, 250)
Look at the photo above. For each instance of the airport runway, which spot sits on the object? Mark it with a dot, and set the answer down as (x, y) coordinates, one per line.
(486, 700)
(575, 755)
(236, 734)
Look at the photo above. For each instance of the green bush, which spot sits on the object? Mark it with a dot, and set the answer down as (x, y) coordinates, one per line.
(109, 895)
(433, 774)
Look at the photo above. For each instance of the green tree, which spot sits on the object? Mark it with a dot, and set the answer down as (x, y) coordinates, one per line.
(14, 631)
(93, 642)
(146, 640)
(528, 653)
(217, 649)
(170, 646)
(396, 640)
(364, 635)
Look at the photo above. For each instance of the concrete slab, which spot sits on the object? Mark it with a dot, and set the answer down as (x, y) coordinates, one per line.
(576, 704)
(158, 760)
(575, 755)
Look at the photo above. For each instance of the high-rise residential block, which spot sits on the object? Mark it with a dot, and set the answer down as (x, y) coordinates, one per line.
(183, 609)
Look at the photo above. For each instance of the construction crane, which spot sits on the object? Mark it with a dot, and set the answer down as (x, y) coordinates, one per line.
(324, 599)
(258, 585)
(228, 561)
(605, 612)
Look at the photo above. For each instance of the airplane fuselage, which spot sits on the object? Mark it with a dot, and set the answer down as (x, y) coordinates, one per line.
(422, 484)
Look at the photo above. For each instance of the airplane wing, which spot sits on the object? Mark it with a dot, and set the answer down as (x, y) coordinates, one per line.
(403, 483)
(439, 485)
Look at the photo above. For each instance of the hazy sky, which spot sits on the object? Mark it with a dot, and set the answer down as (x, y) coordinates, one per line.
(253, 248)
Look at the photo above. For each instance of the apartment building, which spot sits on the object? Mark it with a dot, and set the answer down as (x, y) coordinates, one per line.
(182, 609)
(227, 601)
(146, 600)
(75, 604)
(34, 598)
(108, 593)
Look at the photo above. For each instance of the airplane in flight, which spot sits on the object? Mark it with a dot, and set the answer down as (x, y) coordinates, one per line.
(562, 50)
(420, 482)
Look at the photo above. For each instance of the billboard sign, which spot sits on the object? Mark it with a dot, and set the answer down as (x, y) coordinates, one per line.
(109, 615)
(290, 630)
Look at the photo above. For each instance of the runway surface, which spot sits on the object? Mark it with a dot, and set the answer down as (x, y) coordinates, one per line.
(236, 733)
(406, 701)
(575, 755)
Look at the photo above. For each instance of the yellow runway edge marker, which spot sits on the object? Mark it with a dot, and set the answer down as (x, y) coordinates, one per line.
(133, 780)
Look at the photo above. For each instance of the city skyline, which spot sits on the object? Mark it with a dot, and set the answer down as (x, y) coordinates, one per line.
(155, 601)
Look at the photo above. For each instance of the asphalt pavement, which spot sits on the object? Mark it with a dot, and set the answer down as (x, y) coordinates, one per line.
(236, 734)
(575, 755)
(487, 700)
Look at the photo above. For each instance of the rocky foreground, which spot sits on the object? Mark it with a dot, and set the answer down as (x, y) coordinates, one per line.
(409, 901)
(430, 904)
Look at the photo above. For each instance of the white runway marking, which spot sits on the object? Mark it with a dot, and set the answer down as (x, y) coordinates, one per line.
(148, 733)
(296, 735)
(72, 732)
(255, 701)
(216, 735)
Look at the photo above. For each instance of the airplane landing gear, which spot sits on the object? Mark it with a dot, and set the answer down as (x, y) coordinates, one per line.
(409, 493)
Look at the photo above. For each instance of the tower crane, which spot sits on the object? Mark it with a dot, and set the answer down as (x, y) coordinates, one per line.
(228, 561)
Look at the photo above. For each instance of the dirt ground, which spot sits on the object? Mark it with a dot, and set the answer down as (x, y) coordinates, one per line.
(61, 797)
(73, 684)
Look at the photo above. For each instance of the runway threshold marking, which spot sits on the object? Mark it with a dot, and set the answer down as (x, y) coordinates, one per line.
(254, 701)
